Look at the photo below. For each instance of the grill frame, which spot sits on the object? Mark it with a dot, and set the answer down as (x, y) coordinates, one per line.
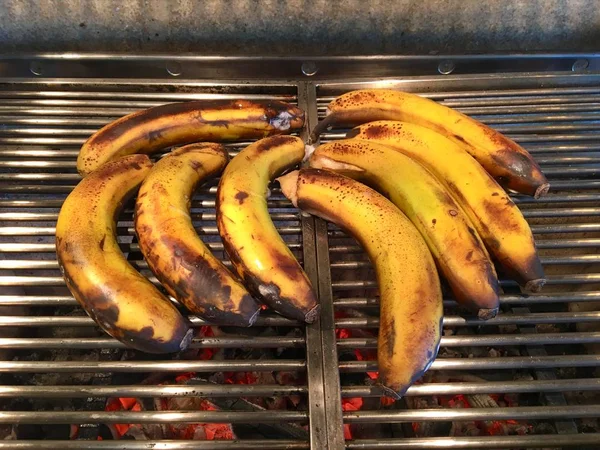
(229, 78)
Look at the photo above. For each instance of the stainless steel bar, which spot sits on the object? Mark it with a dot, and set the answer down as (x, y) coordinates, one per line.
(319, 431)
(241, 444)
(352, 302)
(473, 95)
(212, 342)
(362, 302)
(65, 111)
(42, 141)
(523, 200)
(483, 442)
(557, 185)
(45, 154)
(456, 414)
(332, 388)
(66, 121)
(165, 96)
(366, 284)
(37, 300)
(139, 391)
(527, 117)
(225, 391)
(89, 103)
(261, 365)
(363, 322)
(562, 148)
(560, 212)
(485, 387)
(541, 244)
(80, 417)
(500, 363)
(83, 321)
(491, 340)
(34, 189)
(501, 319)
(550, 260)
(45, 131)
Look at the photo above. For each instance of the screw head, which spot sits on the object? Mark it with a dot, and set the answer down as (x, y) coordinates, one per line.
(36, 68)
(446, 67)
(580, 64)
(174, 68)
(309, 68)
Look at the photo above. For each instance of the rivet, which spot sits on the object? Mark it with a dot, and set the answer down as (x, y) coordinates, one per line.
(36, 68)
(173, 68)
(580, 64)
(309, 68)
(446, 67)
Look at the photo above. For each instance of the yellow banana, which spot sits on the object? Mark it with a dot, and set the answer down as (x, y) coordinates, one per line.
(410, 295)
(181, 123)
(504, 159)
(496, 218)
(260, 256)
(456, 247)
(183, 264)
(121, 301)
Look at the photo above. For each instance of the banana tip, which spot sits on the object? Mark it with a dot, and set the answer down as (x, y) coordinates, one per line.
(289, 187)
(313, 314)
(542, 190)
(252, 319)
(487, 313)
(309, 149)
(187, 339)
(389, 392)
(535, 285)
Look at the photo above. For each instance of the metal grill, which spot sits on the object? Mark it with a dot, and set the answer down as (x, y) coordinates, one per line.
(542, 347)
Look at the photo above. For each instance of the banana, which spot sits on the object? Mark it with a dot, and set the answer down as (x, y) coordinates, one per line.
(120, 300)
(183, 264)
(261, 258)
(410, 294)
(503, 158)
(181, 123)
(456, 247)
(496, 218)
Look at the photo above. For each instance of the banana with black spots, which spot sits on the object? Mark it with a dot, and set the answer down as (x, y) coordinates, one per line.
(409, 288)
(262, 259)
(157, 128)
(174, 251)
(496, 218)
(509, 163)
(457, 249)
(119, 299)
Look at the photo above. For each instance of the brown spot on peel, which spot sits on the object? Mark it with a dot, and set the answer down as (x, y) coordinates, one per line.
(241, 196)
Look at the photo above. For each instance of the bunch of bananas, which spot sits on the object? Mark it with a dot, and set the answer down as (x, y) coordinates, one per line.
(124, 303)
(441, 172)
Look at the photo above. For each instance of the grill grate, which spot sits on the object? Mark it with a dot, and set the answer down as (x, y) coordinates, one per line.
(541, 348)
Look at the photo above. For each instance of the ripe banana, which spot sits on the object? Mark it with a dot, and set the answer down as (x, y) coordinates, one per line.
(410, 295)
(503, 158)
(456, 247)
(121, 301)
(183, 264)
(496, 218)
(181, 123)
(261, 258)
